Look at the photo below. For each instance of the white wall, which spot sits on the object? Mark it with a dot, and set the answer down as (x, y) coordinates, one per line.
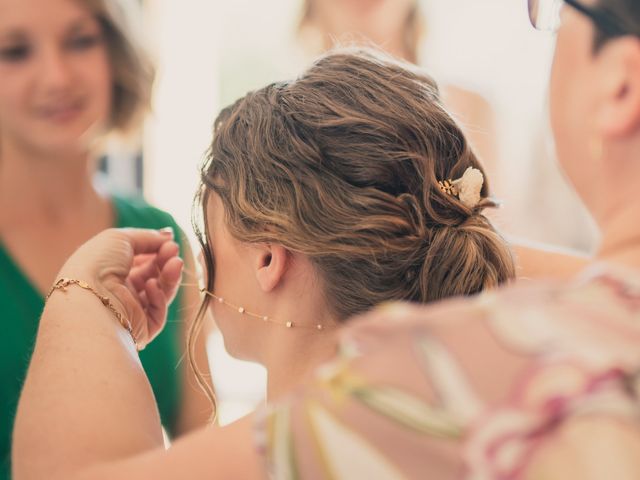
(184, 38)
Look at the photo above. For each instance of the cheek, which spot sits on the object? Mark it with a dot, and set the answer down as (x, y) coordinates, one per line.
(558, 87)
(107, 98)
(99, 76)
(12, 92)
(572, 134)
(567, 109)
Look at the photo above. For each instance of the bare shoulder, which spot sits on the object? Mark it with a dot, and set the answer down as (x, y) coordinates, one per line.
(542, 261)
(469, 104)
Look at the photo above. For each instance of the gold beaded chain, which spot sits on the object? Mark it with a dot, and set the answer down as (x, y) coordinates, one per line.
(64, 283)
(264, 318)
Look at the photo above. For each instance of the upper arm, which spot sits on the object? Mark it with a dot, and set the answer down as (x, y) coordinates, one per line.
(540, 262)
(208, 454)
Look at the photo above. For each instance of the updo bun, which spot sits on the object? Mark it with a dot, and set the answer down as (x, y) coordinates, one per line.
(343, 165)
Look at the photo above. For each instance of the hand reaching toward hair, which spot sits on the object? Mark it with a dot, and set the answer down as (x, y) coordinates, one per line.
(139, 270)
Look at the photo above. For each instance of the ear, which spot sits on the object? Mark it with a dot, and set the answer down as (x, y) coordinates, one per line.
(619, 115)
(272, 262)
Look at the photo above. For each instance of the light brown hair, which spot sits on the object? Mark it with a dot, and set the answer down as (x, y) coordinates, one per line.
(133, 71)
(342, 165)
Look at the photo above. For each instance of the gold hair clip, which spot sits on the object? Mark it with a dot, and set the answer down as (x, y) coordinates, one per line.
(447, 187)
(467, 188)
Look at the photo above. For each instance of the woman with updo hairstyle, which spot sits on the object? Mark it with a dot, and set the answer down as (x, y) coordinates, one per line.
(536, 381)
(320, 198)
(333, 193)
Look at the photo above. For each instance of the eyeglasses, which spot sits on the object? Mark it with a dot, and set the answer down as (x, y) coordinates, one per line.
(545, 15)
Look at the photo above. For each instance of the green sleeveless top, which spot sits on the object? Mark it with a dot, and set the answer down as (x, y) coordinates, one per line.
(21, 305)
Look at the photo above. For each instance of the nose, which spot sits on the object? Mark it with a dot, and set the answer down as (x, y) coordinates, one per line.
(55, 70)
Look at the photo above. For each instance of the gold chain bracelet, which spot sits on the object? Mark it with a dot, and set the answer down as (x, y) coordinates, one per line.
(62, 285)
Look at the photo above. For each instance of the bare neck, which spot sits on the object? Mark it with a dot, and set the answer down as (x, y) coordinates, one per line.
(45, 188)
(621, 236)
(294, 353)
(295, 361)
(615, 205)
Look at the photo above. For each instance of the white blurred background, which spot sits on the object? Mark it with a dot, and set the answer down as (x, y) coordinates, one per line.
(210, 52)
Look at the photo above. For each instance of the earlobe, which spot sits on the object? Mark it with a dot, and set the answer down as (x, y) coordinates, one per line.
(272, 262)
(620, 113)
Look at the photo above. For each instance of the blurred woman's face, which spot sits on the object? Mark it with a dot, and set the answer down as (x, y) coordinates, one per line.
(55, 75)
(573, 97)
(374, 19)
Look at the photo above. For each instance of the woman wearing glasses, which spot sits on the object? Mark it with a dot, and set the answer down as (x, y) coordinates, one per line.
(581, 134)
(524, 384)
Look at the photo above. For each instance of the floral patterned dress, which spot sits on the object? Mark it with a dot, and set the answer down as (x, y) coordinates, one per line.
(465, 389)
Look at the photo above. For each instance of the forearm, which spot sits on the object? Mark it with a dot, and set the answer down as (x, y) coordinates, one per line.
(206, 454)
(588, 448)
(86, 399)
(536, 261)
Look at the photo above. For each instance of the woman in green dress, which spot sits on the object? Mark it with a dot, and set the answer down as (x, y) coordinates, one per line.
(71, 73)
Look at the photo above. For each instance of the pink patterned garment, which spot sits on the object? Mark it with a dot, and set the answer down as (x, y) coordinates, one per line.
(465, 389)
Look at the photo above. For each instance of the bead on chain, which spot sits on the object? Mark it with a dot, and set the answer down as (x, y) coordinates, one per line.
(264, 318)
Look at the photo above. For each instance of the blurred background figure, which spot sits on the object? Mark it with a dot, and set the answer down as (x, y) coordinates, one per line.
(71, 74)
(398, 27)
(469, 47)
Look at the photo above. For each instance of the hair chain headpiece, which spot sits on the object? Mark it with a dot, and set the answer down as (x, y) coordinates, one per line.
(264, 318)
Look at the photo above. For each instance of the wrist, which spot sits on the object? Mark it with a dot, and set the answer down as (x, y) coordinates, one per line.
(65, 283)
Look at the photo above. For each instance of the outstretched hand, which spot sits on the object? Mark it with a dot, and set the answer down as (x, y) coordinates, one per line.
(139, 270)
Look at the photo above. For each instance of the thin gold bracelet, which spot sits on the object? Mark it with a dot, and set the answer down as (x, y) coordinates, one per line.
(62, 285)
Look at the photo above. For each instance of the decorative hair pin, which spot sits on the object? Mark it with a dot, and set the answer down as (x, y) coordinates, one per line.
(467, 188)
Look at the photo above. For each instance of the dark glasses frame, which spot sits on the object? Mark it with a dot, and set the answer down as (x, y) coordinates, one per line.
(607, 23)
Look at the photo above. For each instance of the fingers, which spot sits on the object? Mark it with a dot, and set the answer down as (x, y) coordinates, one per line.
(144, 301)
(168, 251)
(154, 277)
(157, 307)
(145, 241)
(141, 273)
(149, 266)
(143, 258)
(159, 292)
(169, 278)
